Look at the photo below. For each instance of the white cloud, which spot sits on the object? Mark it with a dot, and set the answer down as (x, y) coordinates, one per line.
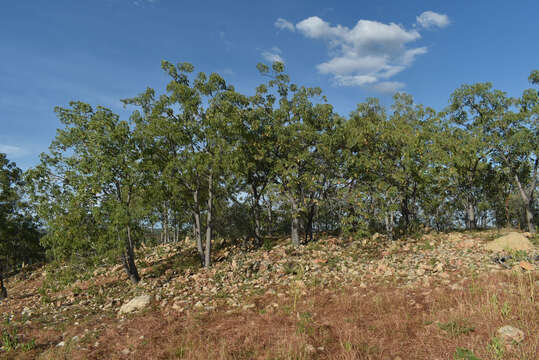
(272, 55)
(368, 54)
(11, 151)
(430, 19)
(389, 87)
(144, 2)
(284, 24)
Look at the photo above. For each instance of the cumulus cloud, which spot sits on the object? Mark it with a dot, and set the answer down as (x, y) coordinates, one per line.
(368, 54)
(272, 55)
(284, 24)
(430, 19)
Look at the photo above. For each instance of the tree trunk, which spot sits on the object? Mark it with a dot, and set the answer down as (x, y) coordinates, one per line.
(207, 250)
(198, 228)
(470, 216)
(295, 223)
(3, 291)
(309, 226)
(389, 220)
(129, 259)
(527, 200)
(256, 216)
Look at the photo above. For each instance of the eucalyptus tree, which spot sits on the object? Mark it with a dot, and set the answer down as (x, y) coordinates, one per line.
(185, 130)
(88, 190)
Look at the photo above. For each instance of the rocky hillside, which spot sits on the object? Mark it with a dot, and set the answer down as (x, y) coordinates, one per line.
(438, 296)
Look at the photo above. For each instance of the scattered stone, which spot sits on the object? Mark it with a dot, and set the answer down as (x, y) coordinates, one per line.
(527, 266)
(511, 241)
(137, 303)
(61, 344)
(125, 351)
(309, 349)
(509, 334)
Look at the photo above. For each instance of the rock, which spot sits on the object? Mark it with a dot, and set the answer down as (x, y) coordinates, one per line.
(511, 241)
(527, 266)
(309, 349)
(466, 244)
(137, 303)
(125, 351)
(509, 334)
(61, 344)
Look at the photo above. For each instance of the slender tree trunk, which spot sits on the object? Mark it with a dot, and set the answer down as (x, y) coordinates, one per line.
(3, 290)
(256, 216)
(389, 220)
(309, 227)
(198, 228)
(527, 199)
(295, 223)
(270, 217)
(207, 257)
(470, 216)
(129, 259)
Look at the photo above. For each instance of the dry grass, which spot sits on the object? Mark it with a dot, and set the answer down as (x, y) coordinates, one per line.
(340, 323)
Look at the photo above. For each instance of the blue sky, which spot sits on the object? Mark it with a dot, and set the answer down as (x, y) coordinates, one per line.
(100, 51)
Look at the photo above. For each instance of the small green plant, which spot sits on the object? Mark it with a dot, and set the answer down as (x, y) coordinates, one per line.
(506, 309)
(496, 348)
(426, 245)
(304, 324)
(464, 354)
(9, 340)
(268, 244)
(456, 327)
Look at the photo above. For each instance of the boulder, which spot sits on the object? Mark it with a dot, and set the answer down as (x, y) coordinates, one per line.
(137, 303)
(511, 241)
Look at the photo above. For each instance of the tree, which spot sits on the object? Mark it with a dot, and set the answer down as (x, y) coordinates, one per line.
(472, 110)
(88, 189)
(19, 233)
(515, 143)
(301, 166)
(185, 131)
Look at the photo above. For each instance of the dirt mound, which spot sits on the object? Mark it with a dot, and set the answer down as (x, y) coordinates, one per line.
(511, 241)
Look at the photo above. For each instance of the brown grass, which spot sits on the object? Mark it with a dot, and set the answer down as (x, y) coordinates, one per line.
(339, 323)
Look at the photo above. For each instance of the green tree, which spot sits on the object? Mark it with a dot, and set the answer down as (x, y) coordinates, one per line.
(88, 189)
(19, 233)
(302, 151)
(186, 138)
(472, 110)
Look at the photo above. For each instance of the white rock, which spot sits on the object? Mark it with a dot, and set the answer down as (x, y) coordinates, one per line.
(510, 334)
(61, 344)
(137, 303)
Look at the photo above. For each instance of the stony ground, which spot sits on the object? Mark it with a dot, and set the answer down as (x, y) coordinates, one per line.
(440, 296)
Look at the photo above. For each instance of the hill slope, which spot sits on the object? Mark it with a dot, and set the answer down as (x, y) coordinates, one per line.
(440, 296)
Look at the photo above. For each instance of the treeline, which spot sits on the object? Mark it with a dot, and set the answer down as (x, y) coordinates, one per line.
(200, 159)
